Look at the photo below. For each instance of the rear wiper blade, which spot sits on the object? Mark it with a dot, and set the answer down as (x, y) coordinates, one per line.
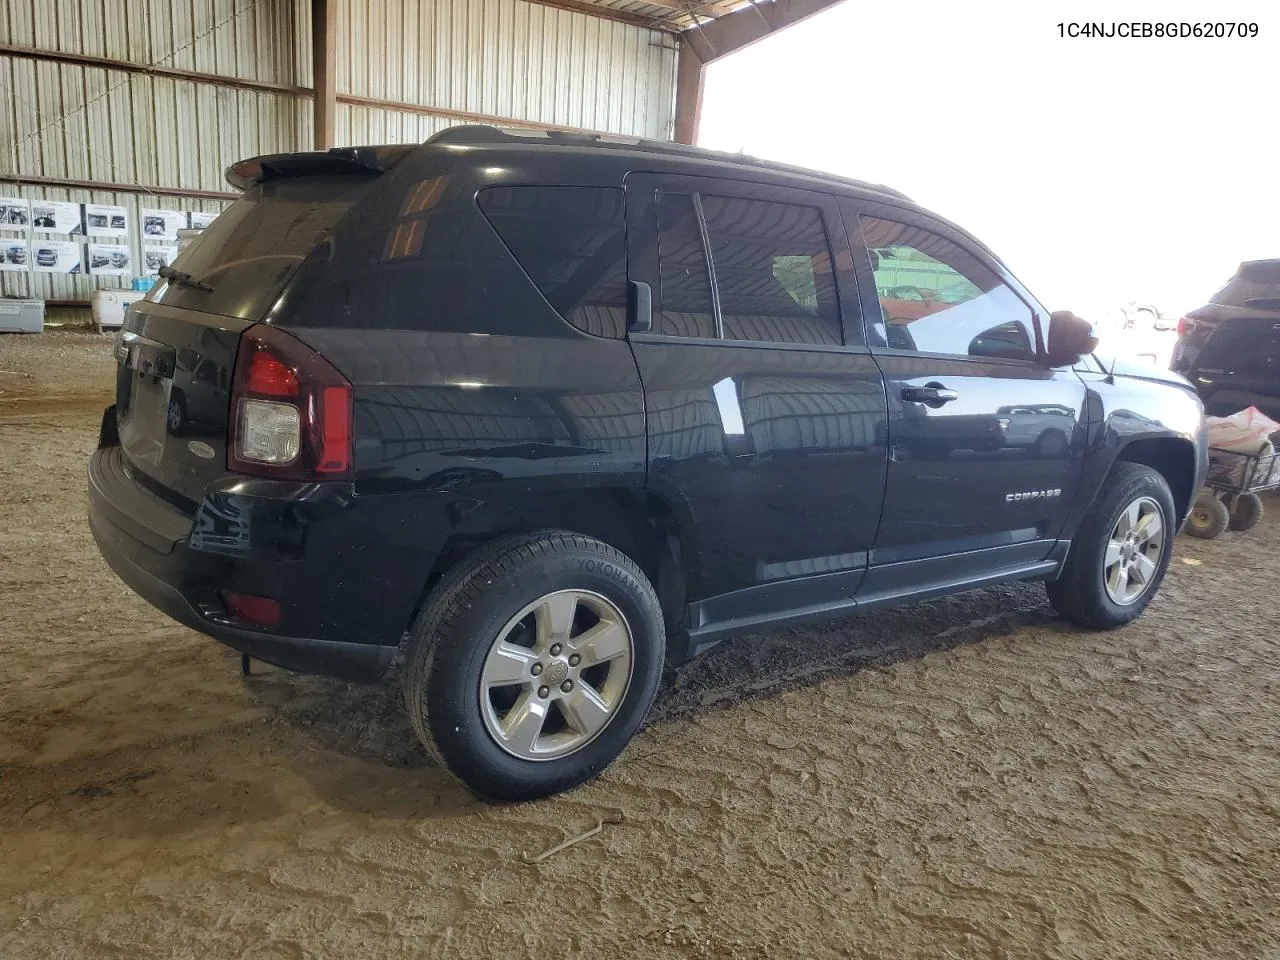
(184, 278)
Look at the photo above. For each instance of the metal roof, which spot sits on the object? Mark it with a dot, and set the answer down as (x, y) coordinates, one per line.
(672, 15)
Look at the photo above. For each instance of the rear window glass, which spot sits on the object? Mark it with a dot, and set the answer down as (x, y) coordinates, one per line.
(252, 249)
(571, 241)
(1259, 280)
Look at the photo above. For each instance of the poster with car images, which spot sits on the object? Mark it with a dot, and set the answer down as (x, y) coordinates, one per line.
(200, 219)
(163, 224)
(15, 255)
(159, 256)
(101, 220)
(56, 256)
(110, 260)
(15, 213)
(57, 216)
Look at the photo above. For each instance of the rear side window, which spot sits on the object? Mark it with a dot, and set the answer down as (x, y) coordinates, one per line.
(768, 277)
(571, 241)
(773, 271)
(684, 287)
(938, 297)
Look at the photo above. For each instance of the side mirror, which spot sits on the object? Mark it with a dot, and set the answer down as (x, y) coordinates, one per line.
(1070, 338)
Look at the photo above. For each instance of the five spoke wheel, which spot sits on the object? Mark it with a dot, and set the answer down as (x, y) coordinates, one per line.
(1133, 551)
(556, 675)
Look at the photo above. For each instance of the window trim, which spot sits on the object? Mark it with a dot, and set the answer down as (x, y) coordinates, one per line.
(717, 315)
(642, 189)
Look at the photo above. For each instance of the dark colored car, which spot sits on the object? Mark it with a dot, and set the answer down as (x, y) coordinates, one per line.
(16, 254)
(1230, 348)
(117, 221)
(559, 408)
(156, 260)
(153, 226)
(98, 260)
(97, 221)
(46, 257)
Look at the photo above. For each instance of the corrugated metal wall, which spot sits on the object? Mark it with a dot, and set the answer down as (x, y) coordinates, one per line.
(508, 58)
(505, 58)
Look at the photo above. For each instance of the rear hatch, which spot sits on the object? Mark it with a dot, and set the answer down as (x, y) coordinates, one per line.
(1235, 341)
(177, 350)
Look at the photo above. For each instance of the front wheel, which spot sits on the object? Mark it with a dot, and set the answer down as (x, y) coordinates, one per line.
(534, 663)
(1120, 553)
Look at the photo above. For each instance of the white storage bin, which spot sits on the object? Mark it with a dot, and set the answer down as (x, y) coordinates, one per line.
(21, 316)
(109, 307)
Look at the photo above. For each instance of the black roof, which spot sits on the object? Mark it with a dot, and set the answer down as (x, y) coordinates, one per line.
(508, 136)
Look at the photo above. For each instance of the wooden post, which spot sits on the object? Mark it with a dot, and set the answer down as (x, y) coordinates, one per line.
(689, 75)
(324, 33)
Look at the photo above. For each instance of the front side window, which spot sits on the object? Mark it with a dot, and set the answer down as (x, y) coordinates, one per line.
(937, 297)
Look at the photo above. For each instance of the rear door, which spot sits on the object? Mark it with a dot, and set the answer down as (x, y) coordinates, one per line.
(985, 443)
(761, 403)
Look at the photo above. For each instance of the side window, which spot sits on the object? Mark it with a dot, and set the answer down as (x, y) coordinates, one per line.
(571, 241)
(684, 294)
(773, 271)
(938, 297)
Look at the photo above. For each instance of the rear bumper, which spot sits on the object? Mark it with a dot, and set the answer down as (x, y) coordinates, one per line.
(346, 591)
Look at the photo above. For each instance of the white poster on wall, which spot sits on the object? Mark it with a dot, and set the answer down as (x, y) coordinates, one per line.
(200, 219)
(57, 216)
(15, 213)
(15, 255)
(56, 256)
(101, 220)
(159, 256)
(163, 224)
(109, 260)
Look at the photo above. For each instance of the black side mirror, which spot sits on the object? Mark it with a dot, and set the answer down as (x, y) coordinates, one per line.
(1070, 338)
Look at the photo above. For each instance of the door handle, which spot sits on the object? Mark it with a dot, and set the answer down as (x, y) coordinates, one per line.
(933, 394)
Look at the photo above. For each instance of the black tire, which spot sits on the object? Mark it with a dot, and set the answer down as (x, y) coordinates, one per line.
(1209, 517)
(1079, 594)
(467, 612)
(1246, 512)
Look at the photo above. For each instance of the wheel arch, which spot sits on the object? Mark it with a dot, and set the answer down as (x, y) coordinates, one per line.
(1174, 458)
(637, 521)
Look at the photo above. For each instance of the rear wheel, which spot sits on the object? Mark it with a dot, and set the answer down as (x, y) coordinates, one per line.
(1246, 512)
(1121, 552)
(534, 663)
(1209, 517)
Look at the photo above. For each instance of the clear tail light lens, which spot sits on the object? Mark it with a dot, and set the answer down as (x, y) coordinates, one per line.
(290, 410)
(269, 432)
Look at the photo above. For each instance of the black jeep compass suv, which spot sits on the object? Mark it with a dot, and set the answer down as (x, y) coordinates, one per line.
(555, 408)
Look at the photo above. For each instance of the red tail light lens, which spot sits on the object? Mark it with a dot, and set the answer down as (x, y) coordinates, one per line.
(1185, 326)
(290, 411)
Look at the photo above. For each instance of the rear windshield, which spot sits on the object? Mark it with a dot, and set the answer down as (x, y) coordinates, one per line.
(251, 250)
(1254, 281)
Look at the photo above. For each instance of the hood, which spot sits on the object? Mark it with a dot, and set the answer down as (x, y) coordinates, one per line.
(1144, 371)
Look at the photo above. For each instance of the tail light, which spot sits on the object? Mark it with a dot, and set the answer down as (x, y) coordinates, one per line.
(290, 410)
(1185, 326)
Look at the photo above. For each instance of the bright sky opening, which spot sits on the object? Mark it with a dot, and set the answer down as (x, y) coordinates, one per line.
(1100, 170)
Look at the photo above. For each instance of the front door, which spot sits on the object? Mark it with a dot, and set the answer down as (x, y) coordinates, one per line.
(760, 397)
(985, 442)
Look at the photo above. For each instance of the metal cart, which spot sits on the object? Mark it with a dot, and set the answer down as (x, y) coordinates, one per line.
(1230, 499)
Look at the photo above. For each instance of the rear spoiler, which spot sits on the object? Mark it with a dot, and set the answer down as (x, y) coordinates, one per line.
(278, 166)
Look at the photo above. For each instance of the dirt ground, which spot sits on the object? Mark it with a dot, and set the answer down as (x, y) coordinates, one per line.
(963, 778)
